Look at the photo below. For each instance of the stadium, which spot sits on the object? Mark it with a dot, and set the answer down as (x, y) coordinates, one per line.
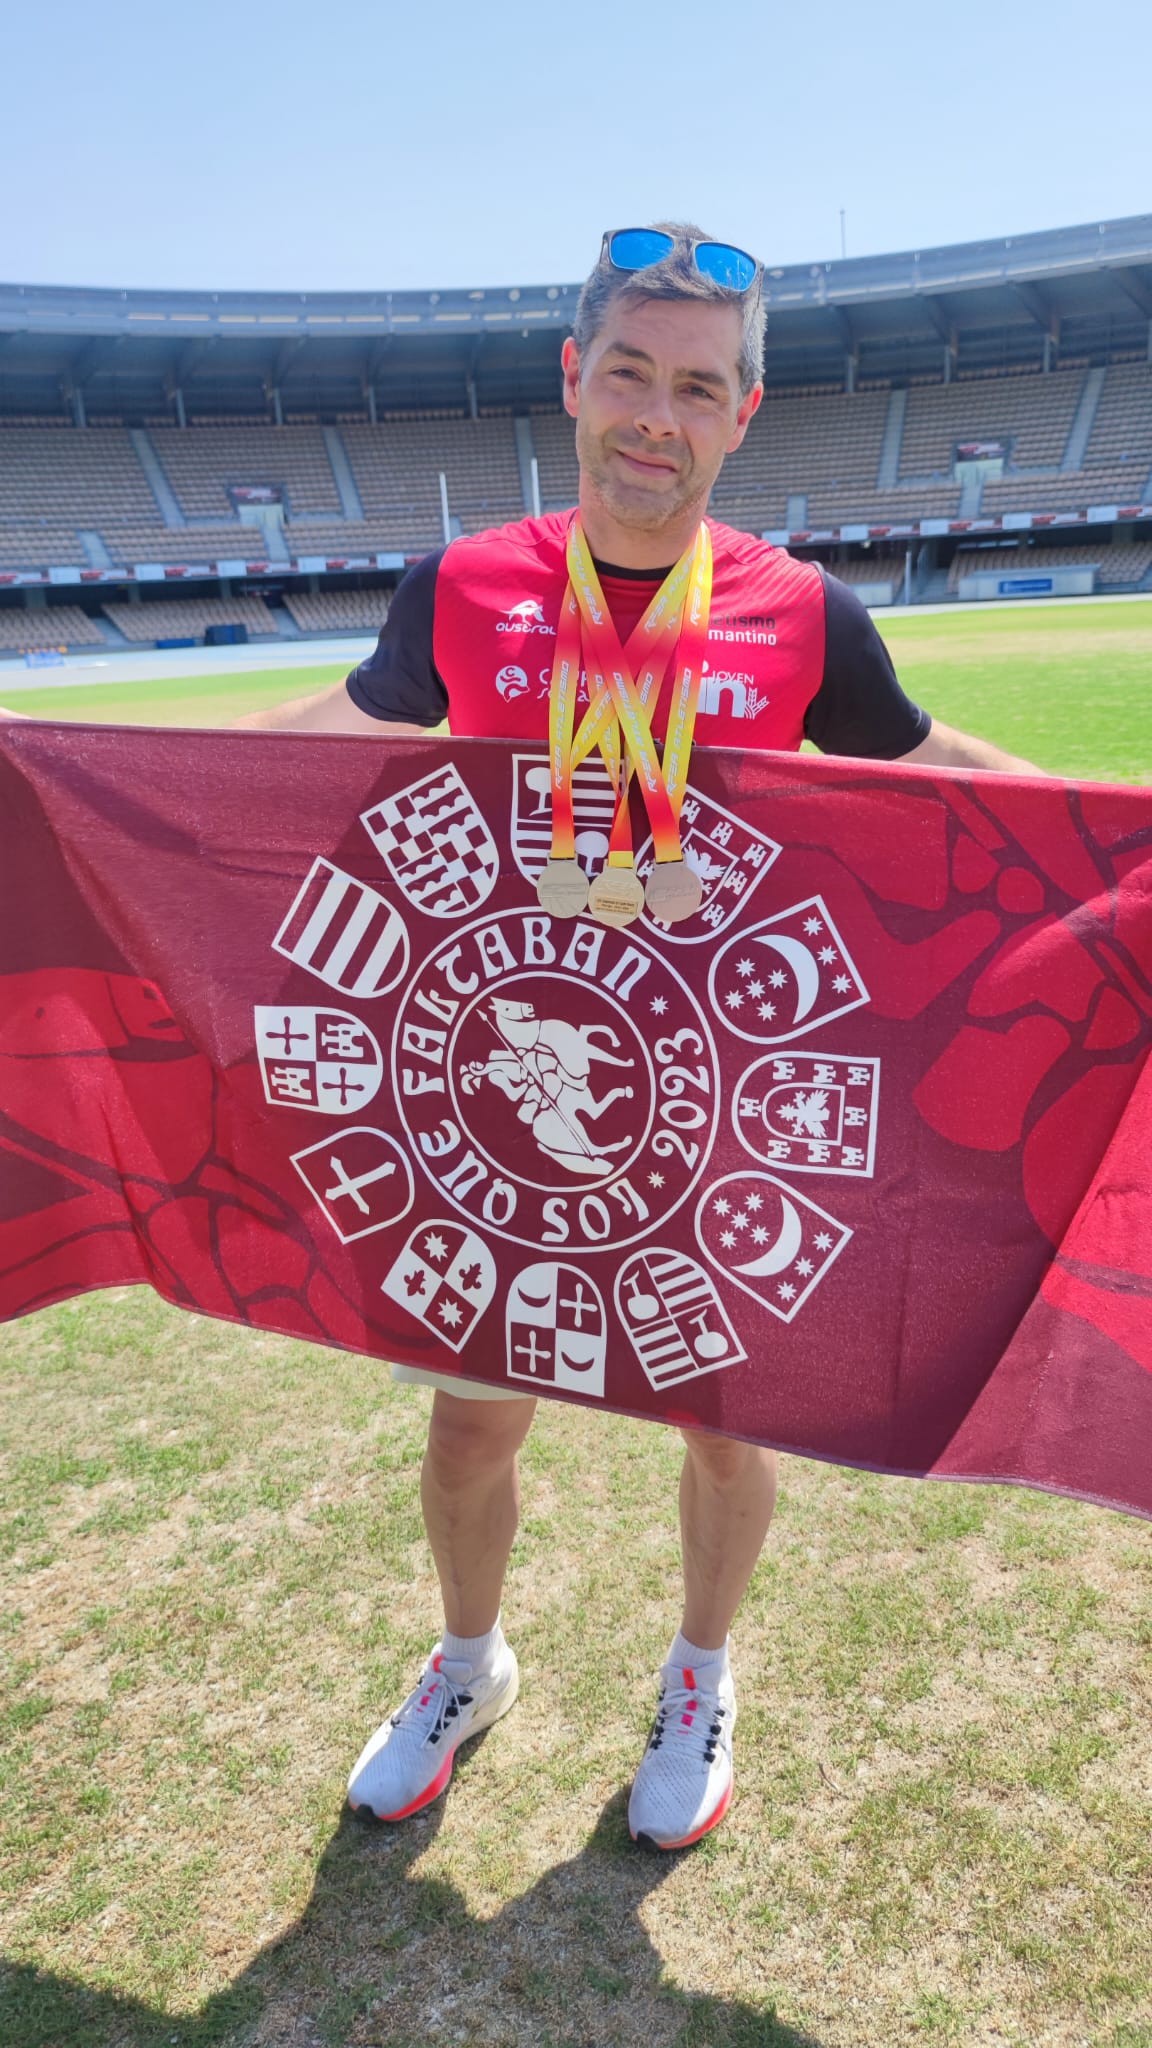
(215, 1572)
(946, 425)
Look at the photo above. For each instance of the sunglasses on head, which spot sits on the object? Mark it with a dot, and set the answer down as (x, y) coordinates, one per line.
(639, 248)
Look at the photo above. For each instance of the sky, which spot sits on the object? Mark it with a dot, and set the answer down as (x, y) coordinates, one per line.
(365, 146)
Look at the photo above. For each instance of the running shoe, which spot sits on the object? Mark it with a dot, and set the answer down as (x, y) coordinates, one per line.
(408, 1762)
(684, 1783)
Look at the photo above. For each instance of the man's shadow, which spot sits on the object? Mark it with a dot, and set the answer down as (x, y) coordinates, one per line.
(382, 1955)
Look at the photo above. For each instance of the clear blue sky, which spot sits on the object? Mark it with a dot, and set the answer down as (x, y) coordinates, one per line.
(364, 145)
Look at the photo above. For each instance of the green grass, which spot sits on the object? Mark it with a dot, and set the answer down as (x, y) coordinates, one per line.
(175, 700)
(1070, 688)
(213, 1582)
(216, 1582)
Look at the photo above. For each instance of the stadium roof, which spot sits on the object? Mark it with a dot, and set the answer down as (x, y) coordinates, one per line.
(1081, 292)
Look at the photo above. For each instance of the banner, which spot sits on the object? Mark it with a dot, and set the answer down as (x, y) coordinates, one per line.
(857, 1161)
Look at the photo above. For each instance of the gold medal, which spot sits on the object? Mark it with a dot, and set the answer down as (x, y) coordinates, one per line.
(562, 888)
(616, 897)
(674, 890)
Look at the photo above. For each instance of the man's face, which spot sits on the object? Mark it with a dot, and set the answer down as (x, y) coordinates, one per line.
(656, 400)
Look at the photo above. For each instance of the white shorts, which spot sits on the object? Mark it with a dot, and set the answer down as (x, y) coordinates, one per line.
(464, 1390)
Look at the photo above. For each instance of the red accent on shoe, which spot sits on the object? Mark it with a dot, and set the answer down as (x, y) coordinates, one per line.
(437, 1661)
(689, 1679)
(429, 1793)
(686, 1841)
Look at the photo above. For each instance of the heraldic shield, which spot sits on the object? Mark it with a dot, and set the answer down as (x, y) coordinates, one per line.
(435, 843)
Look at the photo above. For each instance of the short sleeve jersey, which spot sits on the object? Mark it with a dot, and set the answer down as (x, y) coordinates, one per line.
(792, 653)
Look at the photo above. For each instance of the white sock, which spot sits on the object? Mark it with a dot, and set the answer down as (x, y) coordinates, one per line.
(690, 1657)
(480, 1653)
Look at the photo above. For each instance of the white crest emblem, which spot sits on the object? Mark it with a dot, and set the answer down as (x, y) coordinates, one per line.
(594, 805)
(445, 1278)
(786, 976)
(345, 933)
(809, 1112)
(361, 1179)
(556, 1328)
(768, 1239)
(322, 1060)
(676, 1322)
(435, 844)
(730, 860)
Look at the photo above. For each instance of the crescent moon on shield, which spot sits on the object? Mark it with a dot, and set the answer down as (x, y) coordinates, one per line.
(803, 967)
(782, 1253)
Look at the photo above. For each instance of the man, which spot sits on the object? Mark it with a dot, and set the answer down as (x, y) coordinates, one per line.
(662, 376)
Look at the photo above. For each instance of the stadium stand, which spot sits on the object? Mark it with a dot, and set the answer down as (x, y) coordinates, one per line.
(1117, 463)
(351, 537)
(56, 481)
(1118, 565)
(339, 611)
(58, 625)
(186, 544)
(554, 437)
(824, 449)
(188, 617)
(877, 380)
(882, 569)
(201, 461)
(1032, 414)
(397, 468)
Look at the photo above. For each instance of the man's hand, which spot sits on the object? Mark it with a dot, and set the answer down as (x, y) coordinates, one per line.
(329, 710)
(947, 748)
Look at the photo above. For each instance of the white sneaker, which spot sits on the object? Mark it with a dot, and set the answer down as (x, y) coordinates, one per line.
(684, 1783)
(408, 1762)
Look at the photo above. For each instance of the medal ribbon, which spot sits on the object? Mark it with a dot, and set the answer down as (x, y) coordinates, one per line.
(650, 643)
(680, 608)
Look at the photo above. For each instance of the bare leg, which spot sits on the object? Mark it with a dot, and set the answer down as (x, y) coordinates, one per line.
(727, 1493)
(470, 1493)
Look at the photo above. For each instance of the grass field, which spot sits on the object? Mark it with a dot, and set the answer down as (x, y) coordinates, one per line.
(1071, 688)
(213, 1583)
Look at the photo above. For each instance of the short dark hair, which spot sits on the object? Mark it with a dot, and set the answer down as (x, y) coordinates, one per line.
(674, 277)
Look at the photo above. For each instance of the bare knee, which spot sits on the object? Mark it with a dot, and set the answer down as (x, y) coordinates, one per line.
(470, 1439)
(725, 1460)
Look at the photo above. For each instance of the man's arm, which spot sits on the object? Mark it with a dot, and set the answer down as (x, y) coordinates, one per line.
(947, 748)
(861, 710)
(325, 711)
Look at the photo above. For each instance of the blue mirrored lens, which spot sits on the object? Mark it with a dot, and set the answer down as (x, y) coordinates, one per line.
(733, 268)
(636, 248)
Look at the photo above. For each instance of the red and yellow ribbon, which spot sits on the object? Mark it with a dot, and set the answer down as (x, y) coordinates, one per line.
(622, 684)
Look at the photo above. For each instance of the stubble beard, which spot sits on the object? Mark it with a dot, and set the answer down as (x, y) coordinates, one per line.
(641, 510)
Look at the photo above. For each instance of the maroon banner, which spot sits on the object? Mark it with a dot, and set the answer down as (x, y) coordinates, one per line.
(857, 1162)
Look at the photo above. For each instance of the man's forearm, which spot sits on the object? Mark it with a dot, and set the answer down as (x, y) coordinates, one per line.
(330, 711)
(945, 747)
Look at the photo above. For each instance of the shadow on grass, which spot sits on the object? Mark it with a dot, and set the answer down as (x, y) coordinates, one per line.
(382, 1954)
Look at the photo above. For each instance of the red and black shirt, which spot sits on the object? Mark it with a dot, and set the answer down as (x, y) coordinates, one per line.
(792, 653)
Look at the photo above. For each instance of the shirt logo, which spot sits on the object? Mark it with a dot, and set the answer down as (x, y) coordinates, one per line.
(511, 681)
(525, 617)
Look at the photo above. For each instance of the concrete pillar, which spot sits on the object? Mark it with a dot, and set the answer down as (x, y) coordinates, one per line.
(181, 415)
(470, 392)
(949, 359)
(370, 395)
(851, 365)
(277, 408)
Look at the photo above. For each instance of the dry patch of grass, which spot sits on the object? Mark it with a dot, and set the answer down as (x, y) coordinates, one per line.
(214, 1583)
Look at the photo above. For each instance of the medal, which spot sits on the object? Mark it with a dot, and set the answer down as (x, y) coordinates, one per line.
(616, 897)
(562, 888)
(673, 892)
(621, 686)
